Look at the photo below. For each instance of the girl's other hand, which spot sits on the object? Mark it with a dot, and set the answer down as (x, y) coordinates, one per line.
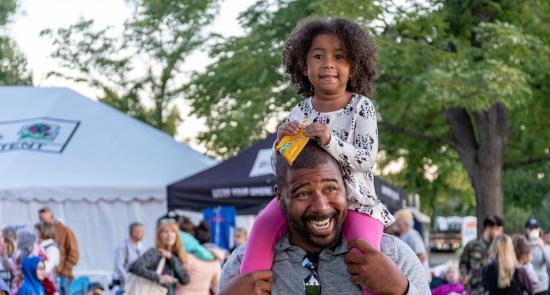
(289, 128)
(165, 254)
(319, 132)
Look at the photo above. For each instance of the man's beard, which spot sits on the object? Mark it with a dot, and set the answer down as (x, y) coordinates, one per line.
(300, 225)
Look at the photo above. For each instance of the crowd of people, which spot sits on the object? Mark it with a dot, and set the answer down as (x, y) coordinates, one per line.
(498, 263)
(40, 260)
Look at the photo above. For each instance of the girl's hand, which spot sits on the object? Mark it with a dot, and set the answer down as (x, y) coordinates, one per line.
(319, 132)
(289, 128)
(166, 279)
(165, 254)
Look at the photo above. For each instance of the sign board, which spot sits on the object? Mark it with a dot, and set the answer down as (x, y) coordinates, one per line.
(469, 229)
(44, 134)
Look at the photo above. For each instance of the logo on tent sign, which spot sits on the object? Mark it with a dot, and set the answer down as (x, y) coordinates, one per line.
(38, 134)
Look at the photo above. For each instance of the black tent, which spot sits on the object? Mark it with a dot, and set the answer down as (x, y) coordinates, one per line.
(245, 181)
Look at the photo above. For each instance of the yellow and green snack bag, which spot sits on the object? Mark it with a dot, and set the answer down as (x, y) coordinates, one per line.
(290, 146)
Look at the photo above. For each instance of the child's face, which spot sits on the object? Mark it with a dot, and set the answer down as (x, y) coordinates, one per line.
(328, 67)
(452, 275)
(525, 258)
(40, 271)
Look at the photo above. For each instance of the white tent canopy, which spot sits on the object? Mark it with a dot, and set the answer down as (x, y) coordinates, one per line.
(97, 168)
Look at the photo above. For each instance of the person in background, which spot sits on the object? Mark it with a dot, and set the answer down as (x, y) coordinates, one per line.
(168, 246)
(68, 250)
(127, 251)
(475, 255)
(190, 242)
(96, 289)
(453, 285)
(405, 220)
(540, 252)
(204, 275)
(46, 240)
(547, 241)
(26, 246)
(33, 273)
(240, 237)
(524, 257)
(502, 275)
(4, 289)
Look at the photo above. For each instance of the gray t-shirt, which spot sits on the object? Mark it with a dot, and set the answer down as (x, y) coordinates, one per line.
(289, 274)
(415, 241)
(541, 260)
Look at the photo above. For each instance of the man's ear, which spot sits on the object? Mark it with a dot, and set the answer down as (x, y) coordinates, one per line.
(279, 196)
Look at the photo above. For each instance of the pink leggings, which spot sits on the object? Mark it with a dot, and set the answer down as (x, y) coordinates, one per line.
(271, 226)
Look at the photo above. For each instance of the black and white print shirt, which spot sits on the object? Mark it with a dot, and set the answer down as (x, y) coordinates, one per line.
(354, 143)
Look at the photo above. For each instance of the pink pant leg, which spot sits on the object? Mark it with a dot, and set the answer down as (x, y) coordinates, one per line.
(363, 227)
(269, 227)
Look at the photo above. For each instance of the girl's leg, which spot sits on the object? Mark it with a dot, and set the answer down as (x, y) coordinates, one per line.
(363, 227)
(269, 227)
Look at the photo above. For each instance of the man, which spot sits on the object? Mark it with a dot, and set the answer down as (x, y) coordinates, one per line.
(474, 256)
(540, 253)
(127, 252)
(240, 238)
(405, 222)
(313, 257)
(68, 250)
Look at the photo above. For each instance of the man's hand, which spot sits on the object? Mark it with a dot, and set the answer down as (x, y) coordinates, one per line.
(373, 271)
(319, 132)
(258, 282)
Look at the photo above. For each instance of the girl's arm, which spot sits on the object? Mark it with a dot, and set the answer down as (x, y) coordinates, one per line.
(361, 155)
(143, 265)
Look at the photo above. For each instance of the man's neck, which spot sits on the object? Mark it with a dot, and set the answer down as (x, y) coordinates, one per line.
(134, 242)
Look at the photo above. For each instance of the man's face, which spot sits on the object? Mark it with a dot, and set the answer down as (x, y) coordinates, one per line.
(240, 238)
(494, 231)
(46, 217)
(137, 233)
(315, 203)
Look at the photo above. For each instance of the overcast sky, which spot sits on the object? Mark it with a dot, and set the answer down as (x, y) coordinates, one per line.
(36, 15)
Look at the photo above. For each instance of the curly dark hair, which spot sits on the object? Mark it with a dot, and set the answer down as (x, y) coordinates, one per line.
(359, 46)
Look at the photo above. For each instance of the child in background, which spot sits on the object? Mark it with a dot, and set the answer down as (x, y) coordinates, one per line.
(524, 257)
(33, 273)
(332, 64)
(453, 285)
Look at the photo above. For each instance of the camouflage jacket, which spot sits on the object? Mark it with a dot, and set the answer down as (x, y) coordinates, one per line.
(473, 259)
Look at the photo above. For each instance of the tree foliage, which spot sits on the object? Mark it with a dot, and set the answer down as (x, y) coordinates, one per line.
(13, 65)
(139, 72)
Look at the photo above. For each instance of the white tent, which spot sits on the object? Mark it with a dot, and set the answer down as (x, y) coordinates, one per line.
(97, 168)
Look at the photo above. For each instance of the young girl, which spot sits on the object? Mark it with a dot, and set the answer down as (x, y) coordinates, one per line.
(332, 63)
(524, 257)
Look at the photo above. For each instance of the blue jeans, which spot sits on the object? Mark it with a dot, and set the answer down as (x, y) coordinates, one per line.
(63, 285)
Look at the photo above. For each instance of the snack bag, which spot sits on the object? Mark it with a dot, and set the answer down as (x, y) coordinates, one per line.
(291, 146)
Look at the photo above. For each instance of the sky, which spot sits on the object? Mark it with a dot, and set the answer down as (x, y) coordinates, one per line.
(36, 15)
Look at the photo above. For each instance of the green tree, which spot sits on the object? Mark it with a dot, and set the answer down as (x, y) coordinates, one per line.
(142, 67)
(463, 87)
(13, 65)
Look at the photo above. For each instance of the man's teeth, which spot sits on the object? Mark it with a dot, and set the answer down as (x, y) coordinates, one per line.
(320, 224)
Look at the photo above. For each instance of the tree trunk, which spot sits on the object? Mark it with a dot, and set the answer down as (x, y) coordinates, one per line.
(480, 139)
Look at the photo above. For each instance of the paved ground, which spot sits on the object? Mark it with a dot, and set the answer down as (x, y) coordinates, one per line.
(438, 258)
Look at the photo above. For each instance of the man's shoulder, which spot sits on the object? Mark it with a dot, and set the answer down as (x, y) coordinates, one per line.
(394, 247)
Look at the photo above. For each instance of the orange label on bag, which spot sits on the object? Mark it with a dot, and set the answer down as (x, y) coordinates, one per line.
(291, 146)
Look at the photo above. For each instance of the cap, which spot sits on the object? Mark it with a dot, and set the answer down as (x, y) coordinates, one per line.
(532, 223)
